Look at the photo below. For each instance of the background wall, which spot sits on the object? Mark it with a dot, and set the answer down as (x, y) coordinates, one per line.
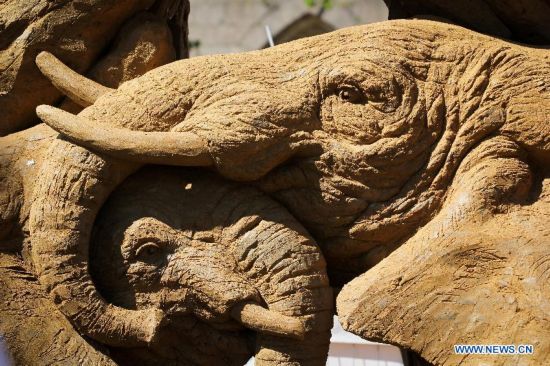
(223, 26)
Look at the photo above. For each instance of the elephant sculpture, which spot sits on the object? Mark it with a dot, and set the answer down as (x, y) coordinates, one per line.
(377, 139)
(200, 248)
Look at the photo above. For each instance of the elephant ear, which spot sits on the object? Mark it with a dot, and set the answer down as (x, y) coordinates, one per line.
(478, 273)
(26, 308)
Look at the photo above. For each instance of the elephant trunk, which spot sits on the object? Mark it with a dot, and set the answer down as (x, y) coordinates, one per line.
(72, 187)
(288, 270)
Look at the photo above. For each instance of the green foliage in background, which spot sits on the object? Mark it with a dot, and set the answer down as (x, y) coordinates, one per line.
(327, 4)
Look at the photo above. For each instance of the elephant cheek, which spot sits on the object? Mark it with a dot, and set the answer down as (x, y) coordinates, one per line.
(173, 299)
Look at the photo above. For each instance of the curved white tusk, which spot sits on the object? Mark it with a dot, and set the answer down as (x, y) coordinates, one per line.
(80, 89)
(168, 148)
(262, 320)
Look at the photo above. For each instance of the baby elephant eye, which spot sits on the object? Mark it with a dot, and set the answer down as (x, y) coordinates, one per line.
(350, 94)
(148, 250)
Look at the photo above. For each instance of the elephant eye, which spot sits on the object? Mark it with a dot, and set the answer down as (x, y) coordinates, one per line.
(350, 94)
(148, 250)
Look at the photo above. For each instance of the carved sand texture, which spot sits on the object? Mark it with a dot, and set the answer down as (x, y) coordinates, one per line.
(77, 31)
(476, 274)
(414, 137)
(371, 124)
(142, 44)
(21, 155)
(194, 221)
(35, 332)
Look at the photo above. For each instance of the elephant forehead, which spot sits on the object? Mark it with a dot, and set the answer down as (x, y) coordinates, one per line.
(160, 99)
(387, 41)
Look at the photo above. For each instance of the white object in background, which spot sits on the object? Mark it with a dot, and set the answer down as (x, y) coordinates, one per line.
(269, 36)
(4, 356)
(347, 349)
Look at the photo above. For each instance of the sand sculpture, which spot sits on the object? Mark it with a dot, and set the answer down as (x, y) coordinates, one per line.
(413, 154)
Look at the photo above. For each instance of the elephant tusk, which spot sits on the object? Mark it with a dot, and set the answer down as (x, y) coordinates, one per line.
(168, 148)
(262, 320)
(80, 89)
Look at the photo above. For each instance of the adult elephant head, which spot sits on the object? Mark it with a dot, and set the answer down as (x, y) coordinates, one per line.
(205, 251)
(358, 133)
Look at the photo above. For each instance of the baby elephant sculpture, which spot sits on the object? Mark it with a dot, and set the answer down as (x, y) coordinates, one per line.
(378, 139)
(201, 249)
